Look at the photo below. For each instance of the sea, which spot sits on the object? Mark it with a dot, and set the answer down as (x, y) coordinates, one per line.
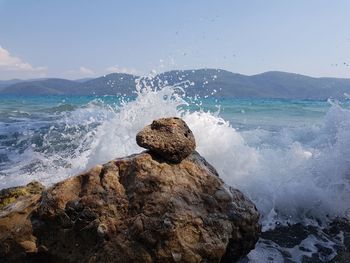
(291, 157)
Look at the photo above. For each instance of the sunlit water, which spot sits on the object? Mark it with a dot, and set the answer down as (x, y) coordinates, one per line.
(290, 157)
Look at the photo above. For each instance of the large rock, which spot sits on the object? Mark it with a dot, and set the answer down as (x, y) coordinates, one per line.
(135, 209)
(169, 138)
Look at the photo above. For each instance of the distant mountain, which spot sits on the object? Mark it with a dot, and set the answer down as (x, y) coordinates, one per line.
(271, 84)
(111, 84)
(202, 82)
(43, 87)
(83, 80)
(6, 83)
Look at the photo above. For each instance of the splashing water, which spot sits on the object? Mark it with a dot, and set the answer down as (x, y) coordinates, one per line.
(294, 174)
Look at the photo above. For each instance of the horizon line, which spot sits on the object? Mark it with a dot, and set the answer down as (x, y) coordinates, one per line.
(167, 71)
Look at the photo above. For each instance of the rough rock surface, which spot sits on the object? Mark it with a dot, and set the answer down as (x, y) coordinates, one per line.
(8, 196)
(138, 208)
(341, 228)
(169, 138)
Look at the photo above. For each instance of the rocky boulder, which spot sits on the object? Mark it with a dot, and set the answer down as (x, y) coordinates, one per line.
(140, 208)
(169, 138)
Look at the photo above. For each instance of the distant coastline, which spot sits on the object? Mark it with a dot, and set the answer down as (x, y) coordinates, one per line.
(203, 82)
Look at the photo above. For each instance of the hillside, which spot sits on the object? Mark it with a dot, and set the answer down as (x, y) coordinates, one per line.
(43, 87)
(202, 82)
(6, 83)
(272, 84)
(112, 84)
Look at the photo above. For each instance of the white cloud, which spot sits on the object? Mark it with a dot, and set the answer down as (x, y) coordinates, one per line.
(86, 71)
(12, 63)
(117, 69)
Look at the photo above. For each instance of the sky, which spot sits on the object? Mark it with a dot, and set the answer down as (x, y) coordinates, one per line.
(81, 39)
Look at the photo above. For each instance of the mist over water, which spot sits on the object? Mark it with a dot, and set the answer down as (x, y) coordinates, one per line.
(290, 157)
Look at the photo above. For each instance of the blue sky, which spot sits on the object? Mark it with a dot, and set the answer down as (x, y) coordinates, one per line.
(80, 38)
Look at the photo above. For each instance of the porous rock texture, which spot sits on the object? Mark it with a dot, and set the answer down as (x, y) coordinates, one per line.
(169, 138)
(10, 195)
(139, 208)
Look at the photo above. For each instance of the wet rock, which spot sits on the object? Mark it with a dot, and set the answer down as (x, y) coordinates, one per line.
(341, 228)
(169, 138)
(289, 236)
(8, 196)
(240, 210)
(222, 195)
(138, 208)
(311, 243)
(17, 241)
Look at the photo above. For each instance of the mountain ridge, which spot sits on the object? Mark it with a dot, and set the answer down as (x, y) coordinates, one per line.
(202, 82)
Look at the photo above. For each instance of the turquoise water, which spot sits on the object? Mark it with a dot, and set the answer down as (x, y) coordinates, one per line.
(241, 112)
(269, 113)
